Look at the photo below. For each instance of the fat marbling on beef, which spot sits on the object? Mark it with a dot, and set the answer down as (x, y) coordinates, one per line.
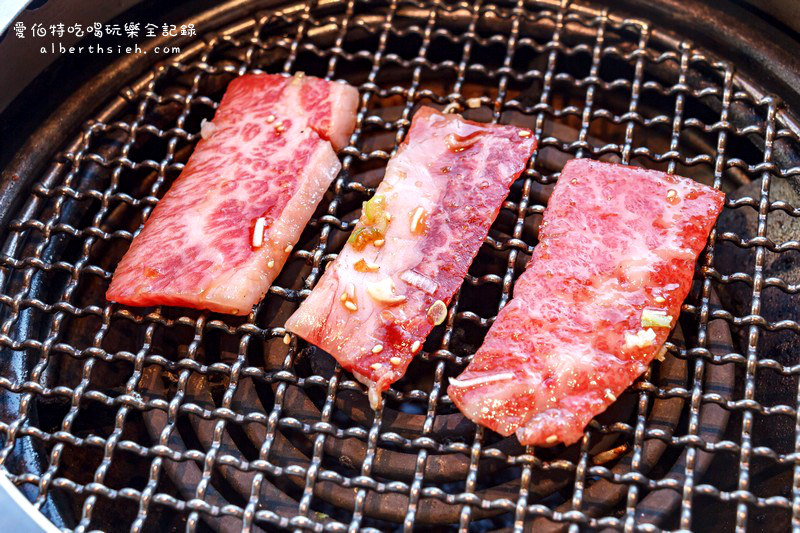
(615, 260)
(411, 249)
(220, 235)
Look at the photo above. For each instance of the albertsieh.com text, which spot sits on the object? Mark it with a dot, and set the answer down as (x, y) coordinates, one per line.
(58, 48)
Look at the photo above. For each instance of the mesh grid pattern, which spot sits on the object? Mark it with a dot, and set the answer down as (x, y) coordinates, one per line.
(148, 415)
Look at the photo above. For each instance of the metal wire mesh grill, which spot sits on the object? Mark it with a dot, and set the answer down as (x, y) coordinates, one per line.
(170, 416)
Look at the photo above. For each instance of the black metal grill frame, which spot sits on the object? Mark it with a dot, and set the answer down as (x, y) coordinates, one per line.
(39, 305)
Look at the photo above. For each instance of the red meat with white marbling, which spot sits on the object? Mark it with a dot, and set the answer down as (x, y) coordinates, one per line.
(617, 246)
(454, 174)
(270, 154)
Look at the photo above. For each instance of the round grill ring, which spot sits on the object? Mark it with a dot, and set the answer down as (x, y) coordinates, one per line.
(242, 430)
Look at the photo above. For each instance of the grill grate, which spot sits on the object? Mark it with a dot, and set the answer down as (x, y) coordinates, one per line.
(164, 418)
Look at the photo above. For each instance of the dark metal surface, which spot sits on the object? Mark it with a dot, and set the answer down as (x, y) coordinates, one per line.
(23, 57)
(783, 12)
(118, 418)
(748, 41)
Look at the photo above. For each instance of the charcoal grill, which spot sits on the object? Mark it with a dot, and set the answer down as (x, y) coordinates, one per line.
(119, 418)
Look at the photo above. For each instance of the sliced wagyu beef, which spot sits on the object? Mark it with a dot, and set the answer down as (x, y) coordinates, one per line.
(220, 235)
(615, 260)
(412, 246)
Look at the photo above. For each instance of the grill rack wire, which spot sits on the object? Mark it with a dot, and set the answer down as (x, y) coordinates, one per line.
(67, 254)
